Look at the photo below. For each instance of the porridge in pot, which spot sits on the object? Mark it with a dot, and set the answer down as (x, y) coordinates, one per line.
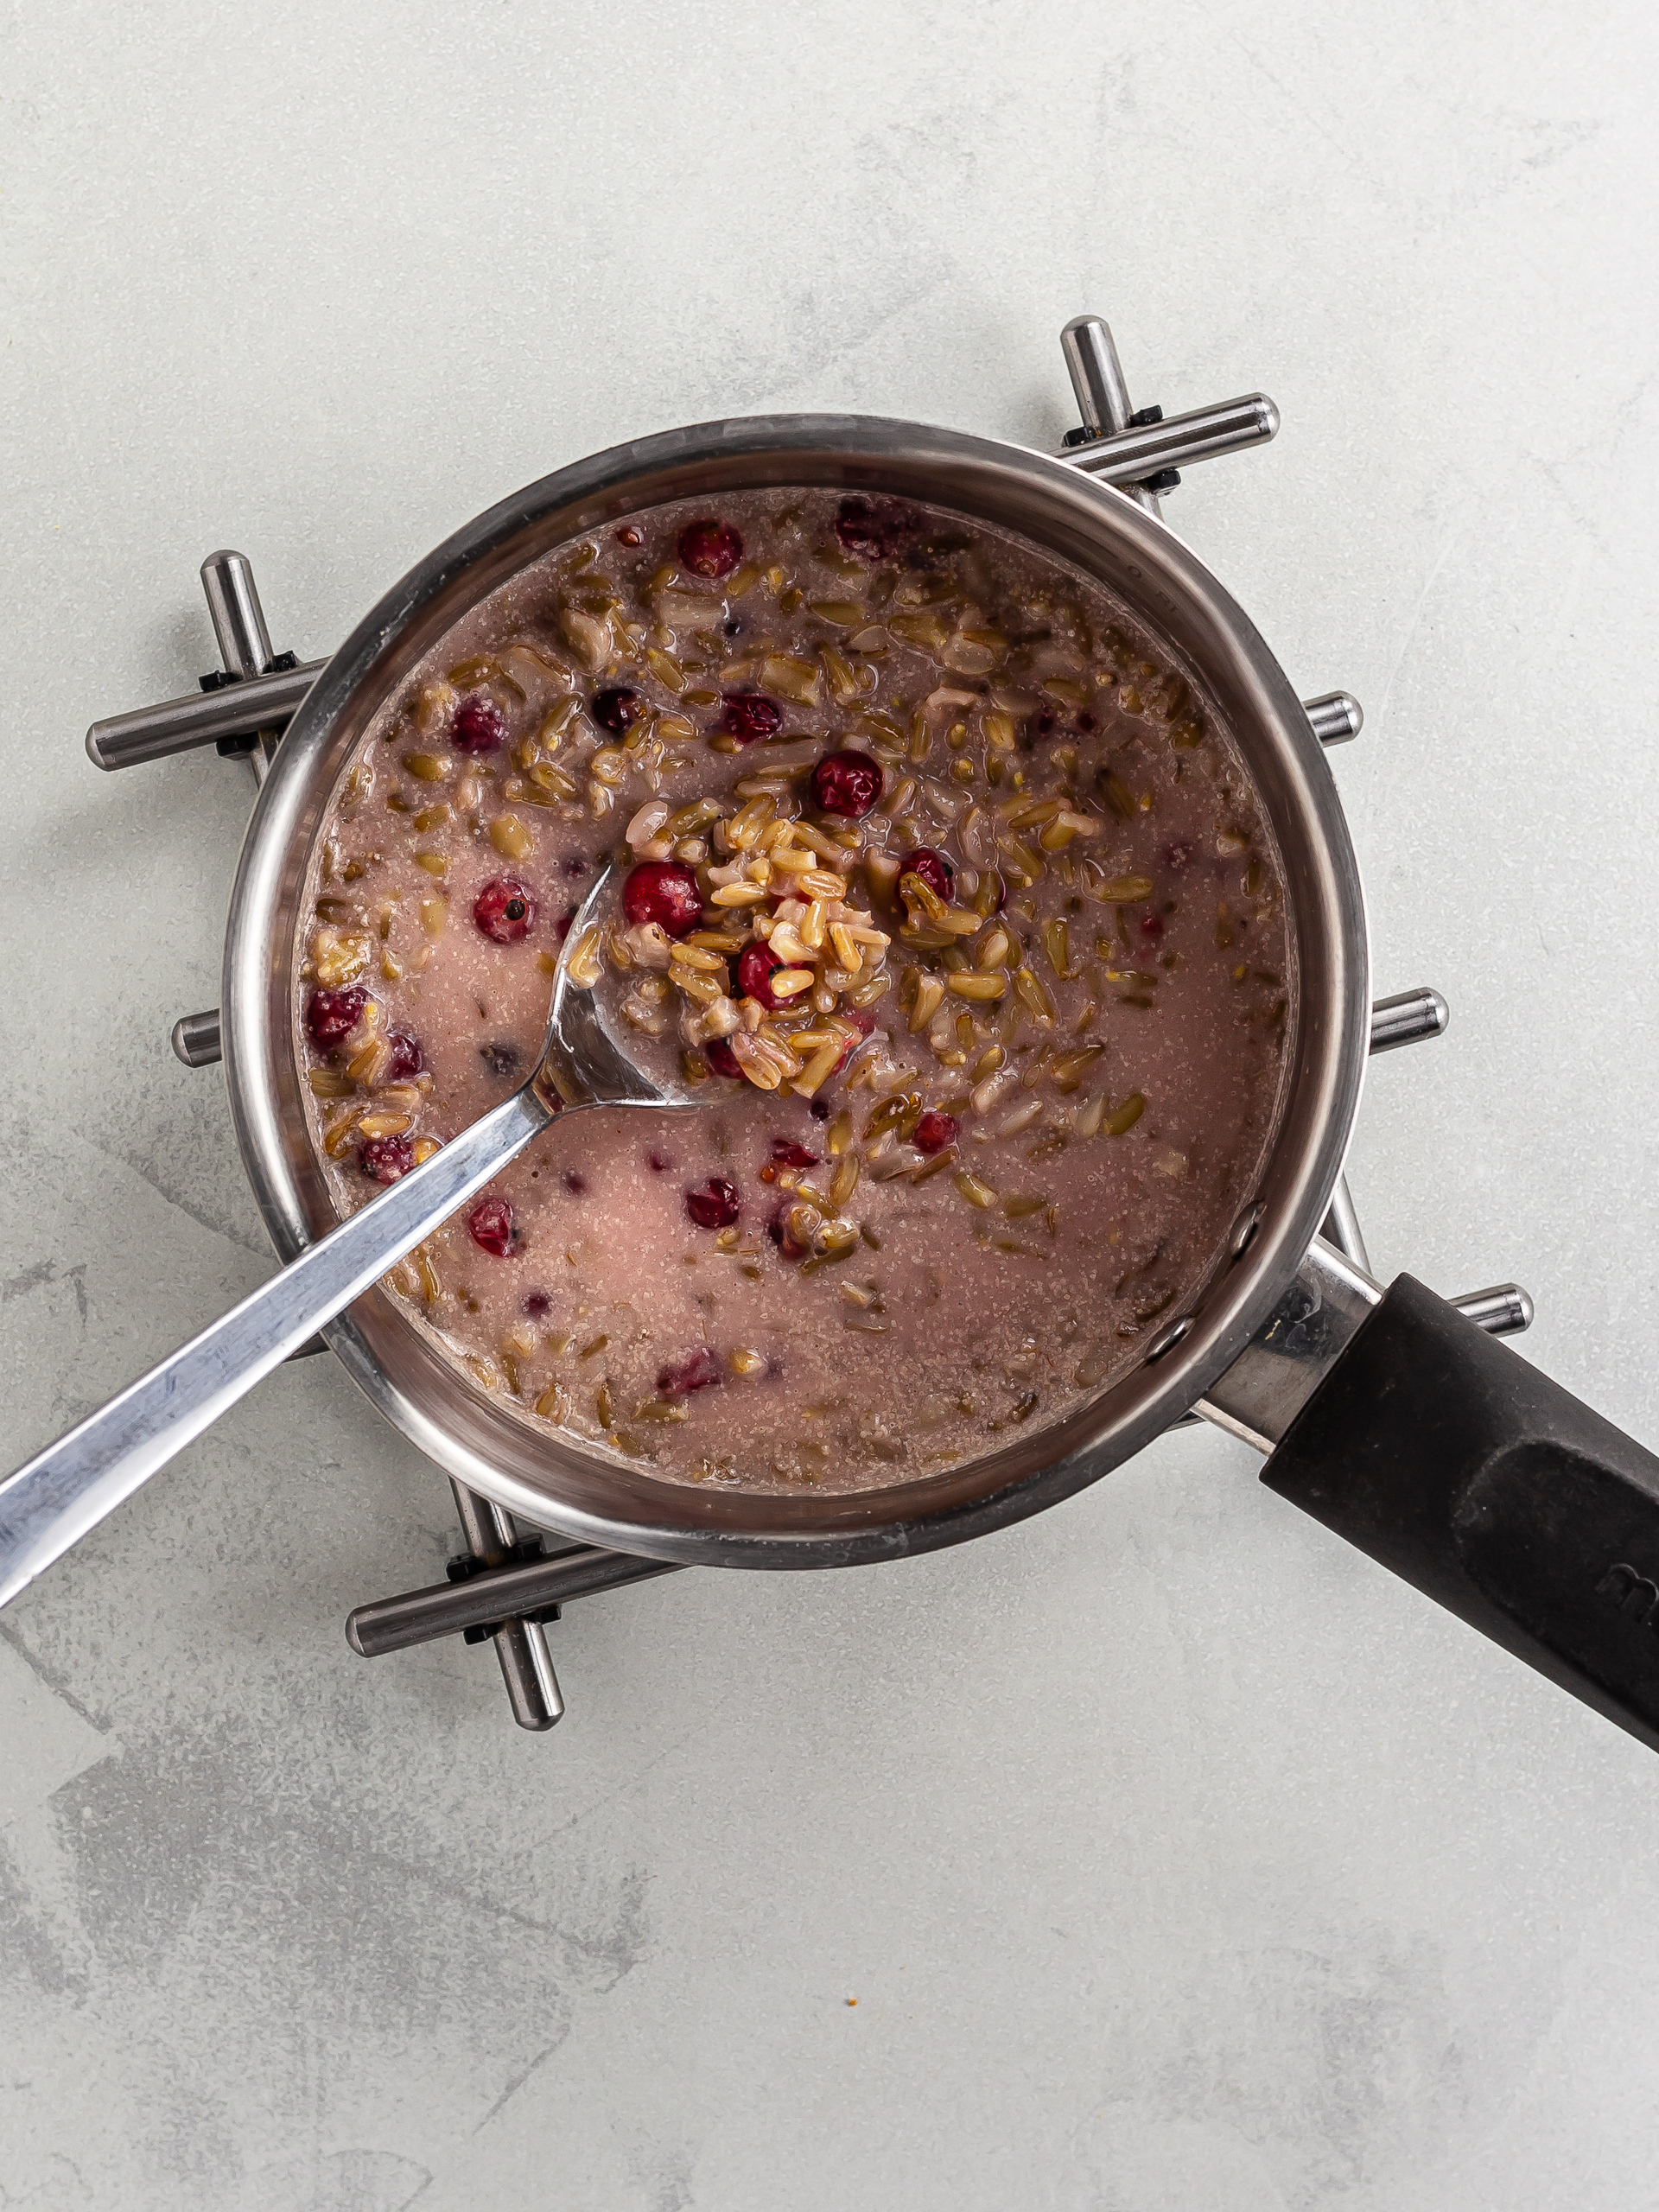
(936, 871)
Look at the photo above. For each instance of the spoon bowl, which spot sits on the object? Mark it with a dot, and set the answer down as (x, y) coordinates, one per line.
(583, 1063)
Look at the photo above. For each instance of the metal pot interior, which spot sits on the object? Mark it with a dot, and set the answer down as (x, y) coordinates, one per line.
(561, 1485)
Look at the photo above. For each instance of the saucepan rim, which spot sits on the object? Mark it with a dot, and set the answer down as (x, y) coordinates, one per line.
(558, 1485)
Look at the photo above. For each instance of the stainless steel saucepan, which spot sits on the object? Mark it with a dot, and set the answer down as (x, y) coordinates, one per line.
(1389, 1414)
(1058, 507)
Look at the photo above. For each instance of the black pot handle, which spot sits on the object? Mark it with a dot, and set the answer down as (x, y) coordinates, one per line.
(1453, 1462)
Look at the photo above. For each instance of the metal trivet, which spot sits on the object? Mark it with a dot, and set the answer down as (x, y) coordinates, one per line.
(510, 1582)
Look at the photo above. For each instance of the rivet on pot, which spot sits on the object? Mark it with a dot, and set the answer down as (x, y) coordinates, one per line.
(1166, 1339)
(1244, 1229)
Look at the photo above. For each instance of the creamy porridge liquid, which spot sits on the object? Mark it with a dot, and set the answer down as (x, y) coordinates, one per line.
(1041, 1059)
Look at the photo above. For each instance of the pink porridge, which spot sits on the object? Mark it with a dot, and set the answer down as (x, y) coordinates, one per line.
(934, 869)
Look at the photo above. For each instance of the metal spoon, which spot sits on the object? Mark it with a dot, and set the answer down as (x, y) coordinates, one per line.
(51, 1503)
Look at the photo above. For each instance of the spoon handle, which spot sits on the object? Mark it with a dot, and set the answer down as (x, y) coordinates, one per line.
(51, 1503)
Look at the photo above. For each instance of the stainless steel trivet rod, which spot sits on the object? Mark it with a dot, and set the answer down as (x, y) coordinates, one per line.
(1102, 397)
(535, 1586)
(201, 718)
(520, 1645)
(1151, 448)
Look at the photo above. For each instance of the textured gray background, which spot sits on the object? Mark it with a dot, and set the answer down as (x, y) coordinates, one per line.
(1174, 1855)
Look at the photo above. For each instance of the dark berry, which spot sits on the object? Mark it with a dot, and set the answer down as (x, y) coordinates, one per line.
(576, 866)
(723, 1060)
(504, 910)
(1152, 925)
(490, 1224)
(696, 1371)
(574, 1183)
(1177, 856)
(787, 1154)
(1085, 721)
(747, 715)
(818, 1108)
(480, 725)
(934, 869)
(756, 965)
(407, 1059)
(709, 548)
(846, 783)
(615, 709)
(499, 1059)
(934, 1131)
(331, 1015)
(537, 1304)
(657, 1164)
(874, 529)
(385, 1159)
(716, 1205)
(629, 536)
(664, 892)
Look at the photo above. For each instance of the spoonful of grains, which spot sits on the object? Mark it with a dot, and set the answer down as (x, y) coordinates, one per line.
(67, 1489)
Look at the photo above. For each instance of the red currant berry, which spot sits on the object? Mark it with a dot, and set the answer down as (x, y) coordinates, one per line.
(665, 892)
(847, 783)
(330, 1016)
(407, 1060)
(384, 1159)
(716, 1205)
(934, 869)
(747, 715)
(479, 727)
(756, 965)
(934, 1132)
(787, 1154)
(875, 531)
(504, 910)
(490, 1224)
(616, 709)
(709, 548)
(696, 1371)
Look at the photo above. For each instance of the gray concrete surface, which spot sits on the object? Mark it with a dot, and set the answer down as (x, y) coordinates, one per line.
(1174, 1856)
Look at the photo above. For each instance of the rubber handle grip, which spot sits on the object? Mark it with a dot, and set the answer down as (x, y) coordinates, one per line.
(1454, 1463)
